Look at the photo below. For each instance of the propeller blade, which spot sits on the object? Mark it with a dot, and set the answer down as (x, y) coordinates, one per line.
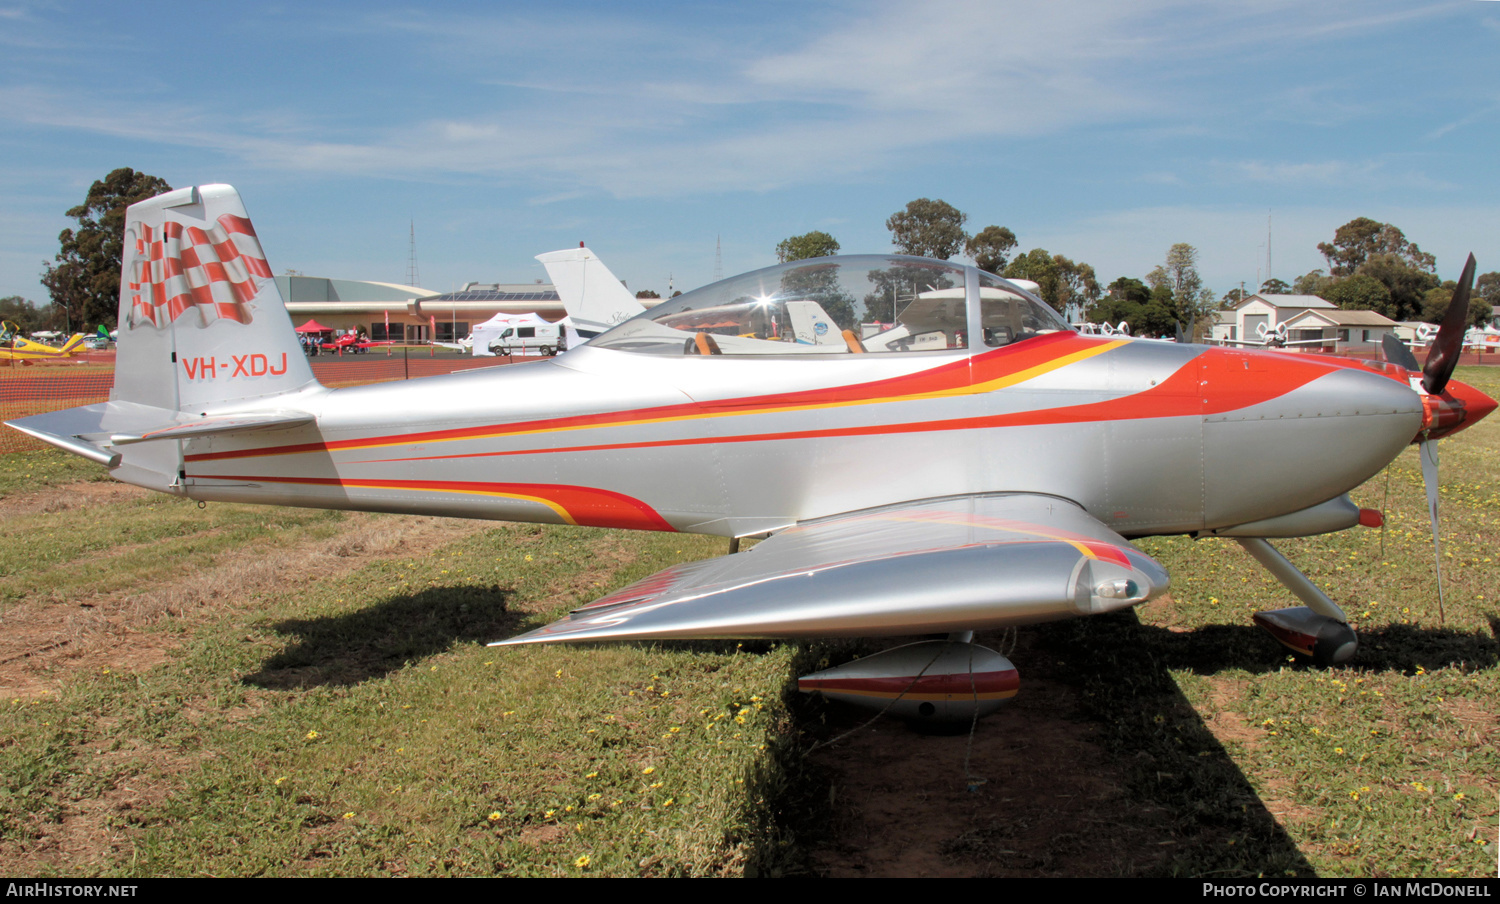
(1397, 353)
(1427, 450)
(1443, 357)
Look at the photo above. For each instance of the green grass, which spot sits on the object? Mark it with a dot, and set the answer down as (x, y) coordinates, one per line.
(25, 472)
(72, 552)
(357, 725)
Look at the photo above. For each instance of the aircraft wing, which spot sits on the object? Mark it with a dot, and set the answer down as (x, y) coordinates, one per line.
(939, 565)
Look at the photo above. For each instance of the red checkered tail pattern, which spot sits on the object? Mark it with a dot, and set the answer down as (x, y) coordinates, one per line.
(202, 323)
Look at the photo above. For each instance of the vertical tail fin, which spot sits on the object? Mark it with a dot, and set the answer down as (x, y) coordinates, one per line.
(72, 345)
(205, 344)
(594, 298)
(202, 324)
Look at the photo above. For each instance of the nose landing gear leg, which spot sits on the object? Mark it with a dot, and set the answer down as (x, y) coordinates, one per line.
(1319, 629)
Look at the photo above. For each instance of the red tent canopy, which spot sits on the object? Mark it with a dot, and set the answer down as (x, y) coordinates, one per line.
(312, 326)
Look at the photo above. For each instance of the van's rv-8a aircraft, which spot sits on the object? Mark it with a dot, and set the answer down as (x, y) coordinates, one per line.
(975, 466)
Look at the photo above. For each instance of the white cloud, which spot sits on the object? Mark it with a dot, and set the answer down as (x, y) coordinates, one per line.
(1337, 173)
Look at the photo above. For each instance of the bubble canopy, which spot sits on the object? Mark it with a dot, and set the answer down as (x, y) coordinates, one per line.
(860, 304)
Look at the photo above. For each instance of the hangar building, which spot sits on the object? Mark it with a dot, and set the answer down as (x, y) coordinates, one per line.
(415, 314)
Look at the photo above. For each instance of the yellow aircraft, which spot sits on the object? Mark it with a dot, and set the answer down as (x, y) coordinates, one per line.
(15, 347)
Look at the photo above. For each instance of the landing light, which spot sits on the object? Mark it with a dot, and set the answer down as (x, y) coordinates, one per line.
(1121, 589)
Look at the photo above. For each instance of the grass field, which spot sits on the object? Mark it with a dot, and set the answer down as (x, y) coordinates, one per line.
(257, 691)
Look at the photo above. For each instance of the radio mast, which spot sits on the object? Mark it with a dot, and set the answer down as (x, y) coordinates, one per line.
(411, 258)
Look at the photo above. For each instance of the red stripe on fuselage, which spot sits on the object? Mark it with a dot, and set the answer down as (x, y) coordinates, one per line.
(586, 506)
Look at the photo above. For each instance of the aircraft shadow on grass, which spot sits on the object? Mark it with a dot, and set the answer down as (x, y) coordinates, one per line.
(375, 640)
(1212, 649)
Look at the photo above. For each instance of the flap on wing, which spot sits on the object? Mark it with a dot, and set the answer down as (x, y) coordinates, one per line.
(952, 564)
(90, 430)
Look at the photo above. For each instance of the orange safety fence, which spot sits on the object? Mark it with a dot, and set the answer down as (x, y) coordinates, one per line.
(37, 389)
(353, 370)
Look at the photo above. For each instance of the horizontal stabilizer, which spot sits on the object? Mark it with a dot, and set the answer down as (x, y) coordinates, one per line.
(953, 564)
(92, 430)
(213, 426)
(66, 441)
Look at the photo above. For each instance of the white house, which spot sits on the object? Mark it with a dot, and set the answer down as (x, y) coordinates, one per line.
(1340, 331)
(1243, 321)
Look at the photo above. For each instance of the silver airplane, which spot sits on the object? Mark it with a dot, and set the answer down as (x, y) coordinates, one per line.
(971, 463)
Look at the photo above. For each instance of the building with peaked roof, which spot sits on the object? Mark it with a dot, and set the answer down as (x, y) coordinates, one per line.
(1340, 331)
(1305, 321)
(1245, 319)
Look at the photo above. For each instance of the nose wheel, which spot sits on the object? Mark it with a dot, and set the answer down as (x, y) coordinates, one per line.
(1324, 640)
(1320, 629)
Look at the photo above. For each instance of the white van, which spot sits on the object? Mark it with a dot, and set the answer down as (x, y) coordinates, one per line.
(540, 339)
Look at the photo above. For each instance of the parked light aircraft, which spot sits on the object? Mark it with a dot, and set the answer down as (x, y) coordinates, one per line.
(1104, 329)
(1272, 337)
(984, 469)
(15, 347)
(1482, 338)
(595, 299)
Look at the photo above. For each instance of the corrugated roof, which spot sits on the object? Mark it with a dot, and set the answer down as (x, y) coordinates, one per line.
(538, 293)
(1348, 318)
(1295, 301)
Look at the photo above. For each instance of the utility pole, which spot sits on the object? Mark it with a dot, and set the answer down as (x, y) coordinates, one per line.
(1270, 274)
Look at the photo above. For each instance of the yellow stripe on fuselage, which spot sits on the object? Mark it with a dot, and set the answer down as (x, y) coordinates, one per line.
(968, 389)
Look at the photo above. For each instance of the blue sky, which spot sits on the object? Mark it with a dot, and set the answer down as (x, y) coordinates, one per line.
(1104, 131)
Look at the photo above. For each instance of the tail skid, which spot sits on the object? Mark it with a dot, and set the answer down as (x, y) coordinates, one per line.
(205, 345)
